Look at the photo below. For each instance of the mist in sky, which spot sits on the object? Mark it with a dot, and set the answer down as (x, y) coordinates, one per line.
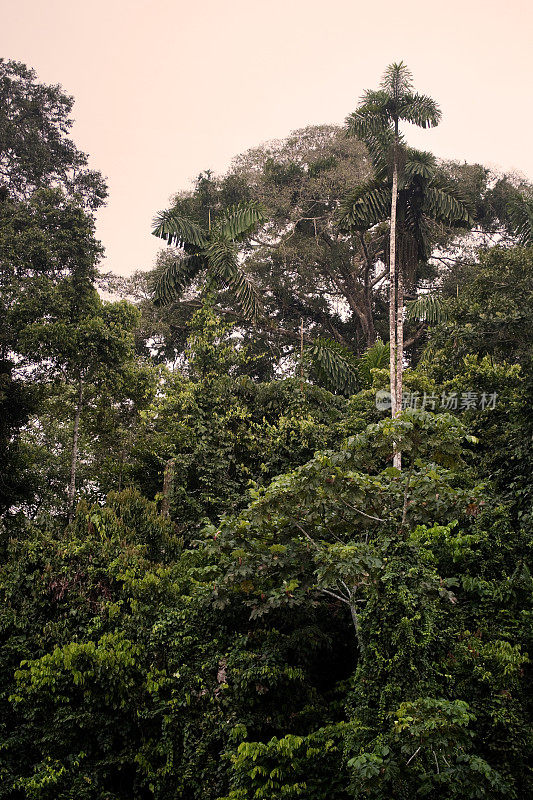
(165, 89)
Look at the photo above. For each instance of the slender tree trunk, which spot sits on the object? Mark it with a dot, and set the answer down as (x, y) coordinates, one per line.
(399, 353)
(399, 339)
(394, 310)
(392, 282)
(370, 331)
(74, 452)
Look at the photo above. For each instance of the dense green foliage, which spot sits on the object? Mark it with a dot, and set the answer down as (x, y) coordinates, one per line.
(214, 585)
(35, 148)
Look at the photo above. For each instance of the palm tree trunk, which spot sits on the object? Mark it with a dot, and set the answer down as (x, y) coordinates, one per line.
(395, 311)
(392, 283)
(399, 354)
(74, 452)
(399, 339)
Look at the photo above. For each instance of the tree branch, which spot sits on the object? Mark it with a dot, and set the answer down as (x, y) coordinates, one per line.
(358, 510)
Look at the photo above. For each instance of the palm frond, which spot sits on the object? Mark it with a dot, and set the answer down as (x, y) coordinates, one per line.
(365, 206)
(334, 365)
(370, 117)
(179, 230)
(223, 262)
(240, 220)
(419, 164)
(397, 80)
(427, 308)
(379, 144)
(521, 215)
(443, 205)
(413, 237)
(177, 276)
(419, 109)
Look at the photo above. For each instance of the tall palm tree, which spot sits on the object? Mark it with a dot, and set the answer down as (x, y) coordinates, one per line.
(211, 254)
(427, 203)
(376, 121)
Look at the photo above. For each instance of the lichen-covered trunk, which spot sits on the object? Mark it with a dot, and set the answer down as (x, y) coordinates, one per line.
(399, 353)
(399, 340)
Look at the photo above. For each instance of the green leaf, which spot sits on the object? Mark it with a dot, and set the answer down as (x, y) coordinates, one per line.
(420, 110)
(177, 276)
(223, 262)
(240, 220)
(427, 308)
(444, 206)
(179, 230)
(335, 366)
(366, 206)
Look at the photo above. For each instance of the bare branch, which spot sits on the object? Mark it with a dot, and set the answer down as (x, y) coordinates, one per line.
(414, 754)
(358, 510)
(336, 596)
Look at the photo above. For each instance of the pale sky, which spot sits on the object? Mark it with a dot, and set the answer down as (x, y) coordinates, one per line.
(167, 88)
